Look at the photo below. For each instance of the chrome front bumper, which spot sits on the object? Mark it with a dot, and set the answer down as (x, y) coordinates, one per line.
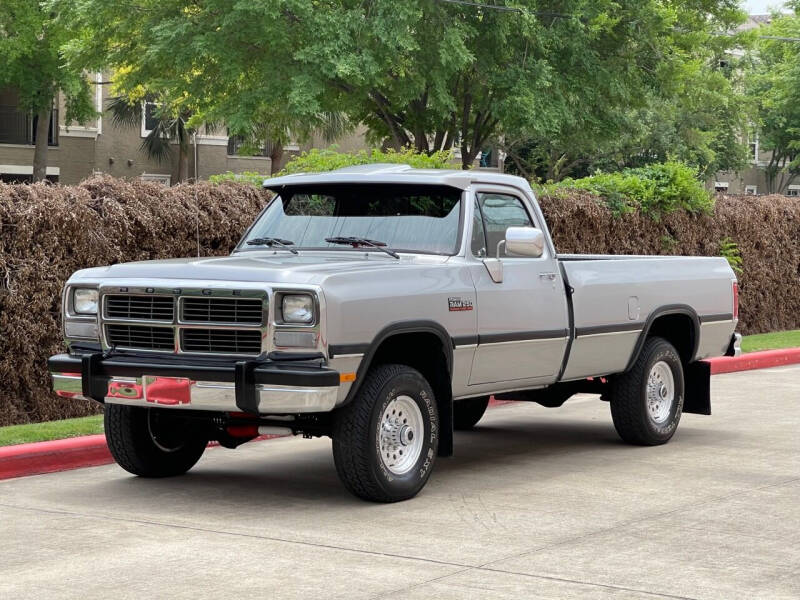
(114, 381)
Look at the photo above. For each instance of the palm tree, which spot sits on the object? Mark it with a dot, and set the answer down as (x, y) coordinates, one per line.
(279, 129)
(168, 130)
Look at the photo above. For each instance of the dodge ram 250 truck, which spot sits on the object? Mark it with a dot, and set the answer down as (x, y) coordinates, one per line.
(381, 306)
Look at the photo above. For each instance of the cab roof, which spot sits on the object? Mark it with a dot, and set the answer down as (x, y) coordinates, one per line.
(398, 174)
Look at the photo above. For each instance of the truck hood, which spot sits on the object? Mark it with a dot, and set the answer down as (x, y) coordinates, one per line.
(255, 266)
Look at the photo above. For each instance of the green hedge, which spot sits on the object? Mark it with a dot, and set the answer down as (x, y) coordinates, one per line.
(316, 161)
(655, 190)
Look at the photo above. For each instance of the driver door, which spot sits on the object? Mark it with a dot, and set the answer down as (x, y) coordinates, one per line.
(522, 321)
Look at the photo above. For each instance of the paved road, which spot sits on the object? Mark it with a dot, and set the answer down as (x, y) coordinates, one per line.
(537, 503)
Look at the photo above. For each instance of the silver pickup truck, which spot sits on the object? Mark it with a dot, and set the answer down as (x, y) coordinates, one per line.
(382, 306)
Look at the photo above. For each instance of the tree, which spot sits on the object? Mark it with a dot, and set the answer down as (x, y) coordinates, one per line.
(31, 36)
(775, 90)
(170, 128)
(426, 74)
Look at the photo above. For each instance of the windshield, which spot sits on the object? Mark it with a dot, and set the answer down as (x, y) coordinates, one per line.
(406, 218)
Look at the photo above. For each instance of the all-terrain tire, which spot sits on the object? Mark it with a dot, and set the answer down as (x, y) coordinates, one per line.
(467, 413)
(647, 401)
(369, 462)
(151, 442)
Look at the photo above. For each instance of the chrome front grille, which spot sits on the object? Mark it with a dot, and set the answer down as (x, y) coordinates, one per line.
(208, 321)
(222, 310)
(144, 308)
(141, 337)
(221, 341)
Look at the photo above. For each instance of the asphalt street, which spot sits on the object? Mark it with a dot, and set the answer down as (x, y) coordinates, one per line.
(536, 503)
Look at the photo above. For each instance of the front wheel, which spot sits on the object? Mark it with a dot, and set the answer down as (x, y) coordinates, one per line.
(647, 401)
(386, 439)
(150, 442)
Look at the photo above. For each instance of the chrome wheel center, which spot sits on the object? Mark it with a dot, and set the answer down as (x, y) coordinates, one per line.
(660, 392)
(401, 434)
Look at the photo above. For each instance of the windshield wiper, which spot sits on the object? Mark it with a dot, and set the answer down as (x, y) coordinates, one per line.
(271, 241)
(355, 242)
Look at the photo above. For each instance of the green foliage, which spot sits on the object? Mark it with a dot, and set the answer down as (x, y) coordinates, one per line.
(31, 37)
(730, 250)
(654, 190)
(250, 177)
(315, 161)
(422, 74)
(774, 88)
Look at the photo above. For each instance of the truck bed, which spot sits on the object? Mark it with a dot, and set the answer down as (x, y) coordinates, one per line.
(613, 297)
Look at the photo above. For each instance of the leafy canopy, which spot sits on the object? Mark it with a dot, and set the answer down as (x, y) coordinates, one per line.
(774, 88)
(426, 74)
(31, 37)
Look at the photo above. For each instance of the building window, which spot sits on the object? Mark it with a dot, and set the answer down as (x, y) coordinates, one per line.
(754, 148)
(157, 178)
(793, 191)
(238, 142)
(751, 190)
(149, 117)
(721, 187)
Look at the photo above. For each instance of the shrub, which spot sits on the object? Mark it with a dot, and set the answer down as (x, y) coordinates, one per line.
(315, 160)
(655, 190)
(250, 177)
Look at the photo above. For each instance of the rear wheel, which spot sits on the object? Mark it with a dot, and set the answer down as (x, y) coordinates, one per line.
(647, 401)
(386, 439)
(151, 442)
(467, 413)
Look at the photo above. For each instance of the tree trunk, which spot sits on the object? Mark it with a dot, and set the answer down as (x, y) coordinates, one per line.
(276, 156)
(40, 151)
(183, 164)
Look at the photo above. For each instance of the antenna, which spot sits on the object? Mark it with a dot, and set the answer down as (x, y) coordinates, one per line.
(196, 202)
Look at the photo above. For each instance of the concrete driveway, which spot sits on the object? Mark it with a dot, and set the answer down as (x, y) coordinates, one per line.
(537, 503)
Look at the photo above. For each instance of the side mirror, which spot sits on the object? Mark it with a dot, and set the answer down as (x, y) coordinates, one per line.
(524, 241)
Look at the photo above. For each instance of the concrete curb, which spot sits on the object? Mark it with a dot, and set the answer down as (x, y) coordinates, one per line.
(58, 455)
(90, 451)
(755, 360)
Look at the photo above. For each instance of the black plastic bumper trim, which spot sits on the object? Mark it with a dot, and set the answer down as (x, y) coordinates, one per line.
(96, 371)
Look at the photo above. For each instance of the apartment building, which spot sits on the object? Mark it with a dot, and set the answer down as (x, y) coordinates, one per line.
(76, 151)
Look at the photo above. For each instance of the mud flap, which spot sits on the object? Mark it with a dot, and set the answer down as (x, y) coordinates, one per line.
(445, 407)
(697, 379)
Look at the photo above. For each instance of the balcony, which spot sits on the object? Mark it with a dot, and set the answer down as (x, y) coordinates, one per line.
(17, 127)
(236, 142)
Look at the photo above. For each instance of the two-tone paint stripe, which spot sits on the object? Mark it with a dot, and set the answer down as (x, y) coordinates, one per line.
(354, 350)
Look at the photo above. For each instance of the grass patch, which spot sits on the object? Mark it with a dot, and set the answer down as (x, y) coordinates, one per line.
(51, 430)
(771, 341)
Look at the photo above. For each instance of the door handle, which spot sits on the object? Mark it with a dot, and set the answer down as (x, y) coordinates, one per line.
(549, 276)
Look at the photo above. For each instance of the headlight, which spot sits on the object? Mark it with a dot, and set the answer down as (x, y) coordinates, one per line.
(297, 308)
(84, 301)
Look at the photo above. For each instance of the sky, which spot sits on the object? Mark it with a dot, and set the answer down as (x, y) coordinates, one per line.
(760, 7)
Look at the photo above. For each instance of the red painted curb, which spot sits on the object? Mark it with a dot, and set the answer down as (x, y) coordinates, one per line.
(90, 451)
(57, 455)
(39, 458)
(754, 360)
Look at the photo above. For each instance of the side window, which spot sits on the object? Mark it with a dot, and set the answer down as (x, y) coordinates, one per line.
(478, 234)
(501, 211)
